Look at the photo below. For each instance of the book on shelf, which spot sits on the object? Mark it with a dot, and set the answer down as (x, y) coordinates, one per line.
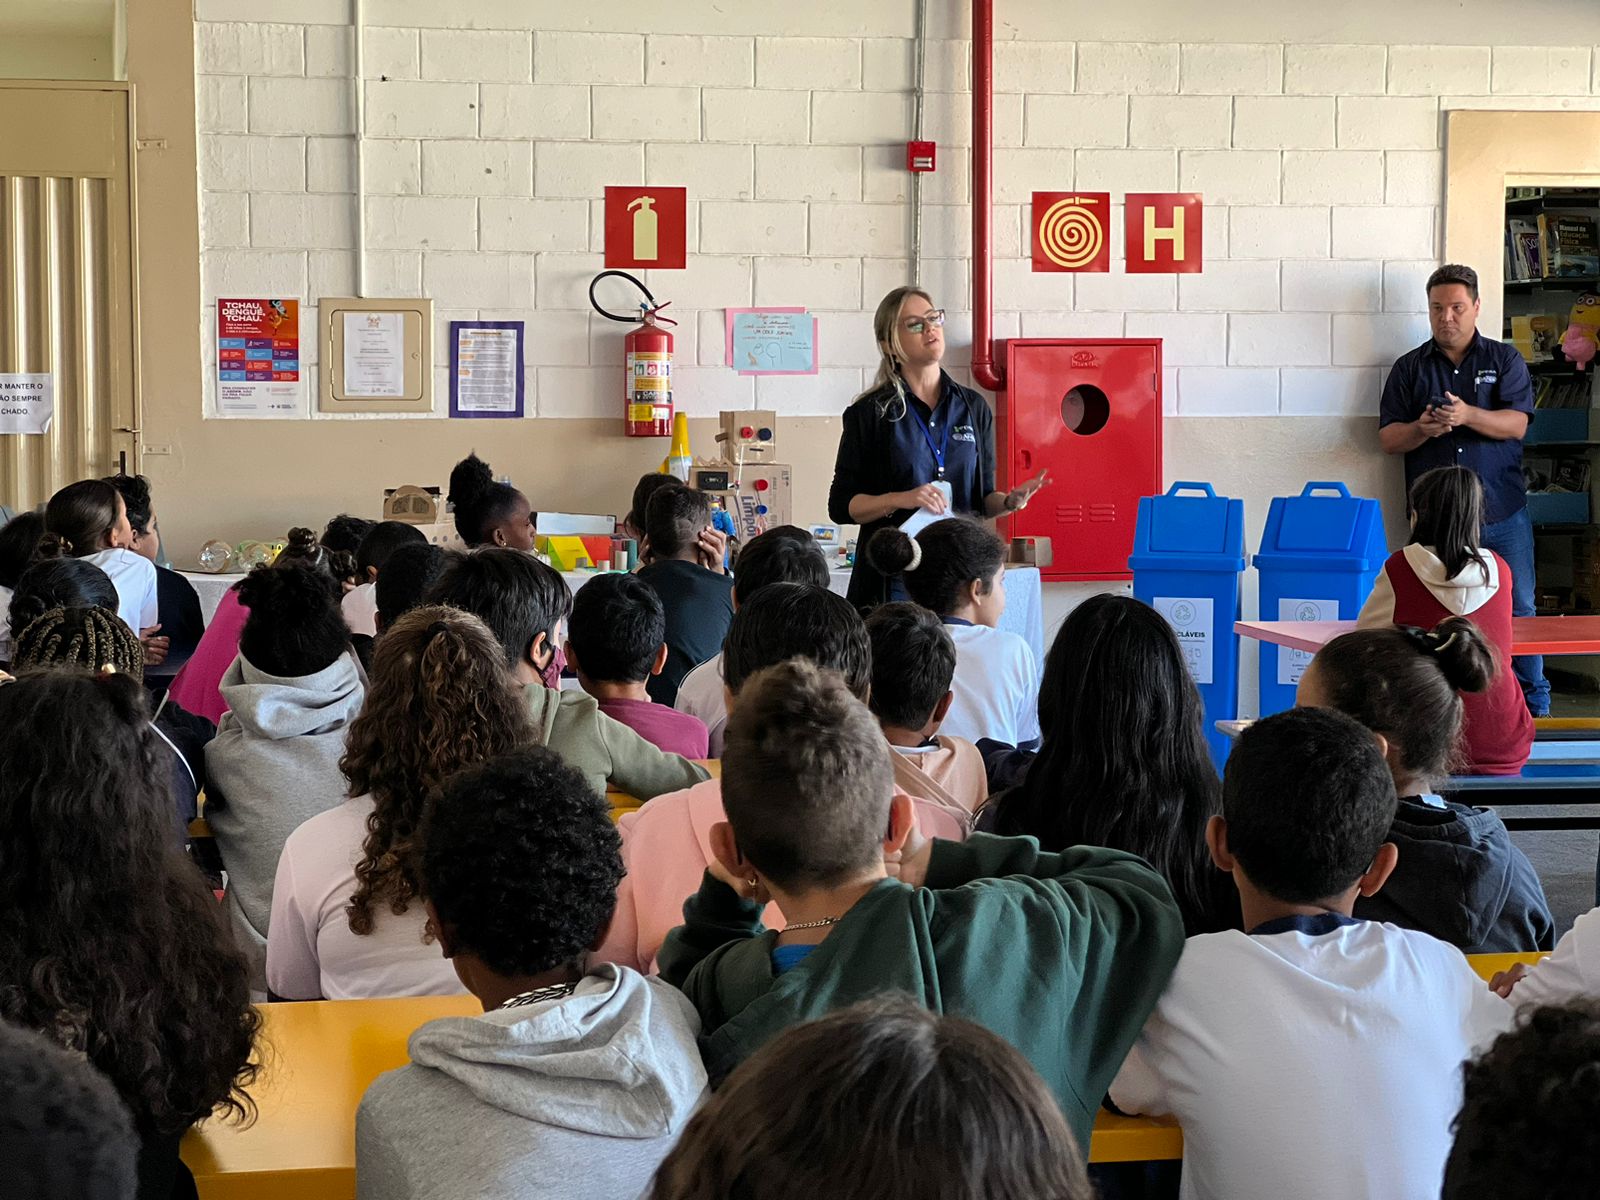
(1561, 393)
(1573, 245)
(1551, 475)
(1522, 250)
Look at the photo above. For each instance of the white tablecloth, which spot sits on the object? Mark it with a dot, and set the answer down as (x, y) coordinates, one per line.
(1024, 613)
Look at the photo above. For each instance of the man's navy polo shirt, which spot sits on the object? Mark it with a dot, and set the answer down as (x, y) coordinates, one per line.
(1492, 375)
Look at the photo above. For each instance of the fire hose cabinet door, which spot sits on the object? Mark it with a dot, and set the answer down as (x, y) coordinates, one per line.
(1089, 412)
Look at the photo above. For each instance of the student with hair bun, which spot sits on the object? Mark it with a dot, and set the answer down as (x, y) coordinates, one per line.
(292, 694)
(489, 513)
(1447, 572)
(956, 569)
(89, 520)
(1459, 877)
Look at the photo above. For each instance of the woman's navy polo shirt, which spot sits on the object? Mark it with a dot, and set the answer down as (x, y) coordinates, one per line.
(884, 449)
(1493, 376)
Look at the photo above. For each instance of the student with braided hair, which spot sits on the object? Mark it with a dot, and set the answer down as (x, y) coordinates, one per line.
(96, 638)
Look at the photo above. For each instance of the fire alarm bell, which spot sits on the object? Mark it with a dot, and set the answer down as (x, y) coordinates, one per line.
(920, 156)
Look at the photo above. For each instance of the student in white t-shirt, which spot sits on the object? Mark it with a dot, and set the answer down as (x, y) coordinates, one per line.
(783, 554)
(1317, 1056)
(91, 521)
(360, 604)
(1571, 973)
(956, 568)
(347, 914)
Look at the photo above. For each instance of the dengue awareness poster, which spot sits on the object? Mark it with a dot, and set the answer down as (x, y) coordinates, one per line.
(258, 358)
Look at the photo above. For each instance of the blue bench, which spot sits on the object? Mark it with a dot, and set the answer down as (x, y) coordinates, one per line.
(1563, 769)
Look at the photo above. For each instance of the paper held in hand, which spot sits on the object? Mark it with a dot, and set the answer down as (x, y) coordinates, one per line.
(922, 518)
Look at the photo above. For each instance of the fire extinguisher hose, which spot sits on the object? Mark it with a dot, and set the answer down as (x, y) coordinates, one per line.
(649, 309)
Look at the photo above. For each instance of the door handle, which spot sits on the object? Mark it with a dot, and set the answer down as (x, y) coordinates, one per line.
(1027, 459)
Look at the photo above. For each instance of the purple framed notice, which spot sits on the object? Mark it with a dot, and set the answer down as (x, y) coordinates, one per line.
(486, 372)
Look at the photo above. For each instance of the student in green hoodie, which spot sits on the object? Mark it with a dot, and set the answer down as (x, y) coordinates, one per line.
(525, 603)
(1062, 955)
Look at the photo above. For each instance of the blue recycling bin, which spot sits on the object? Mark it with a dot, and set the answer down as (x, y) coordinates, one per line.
(1320, 554)
(1188, 554)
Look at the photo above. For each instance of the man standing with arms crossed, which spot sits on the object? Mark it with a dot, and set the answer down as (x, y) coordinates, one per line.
(1461, 399)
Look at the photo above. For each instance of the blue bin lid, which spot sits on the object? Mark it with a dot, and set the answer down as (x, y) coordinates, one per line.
(1194, 532)
(1316, 531)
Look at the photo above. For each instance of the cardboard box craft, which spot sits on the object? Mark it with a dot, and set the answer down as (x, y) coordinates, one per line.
(1029, 552)
(412, 504)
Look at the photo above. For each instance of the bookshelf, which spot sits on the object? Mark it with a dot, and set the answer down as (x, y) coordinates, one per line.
(1552, 261)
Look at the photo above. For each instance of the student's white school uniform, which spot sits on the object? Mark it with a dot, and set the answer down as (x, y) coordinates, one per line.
(1317, 1058)
(996, 686)
(701, 695)
(134, 577)
(1572, 972)
(360, 608)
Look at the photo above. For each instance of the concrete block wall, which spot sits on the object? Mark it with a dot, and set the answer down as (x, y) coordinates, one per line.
(491, 134)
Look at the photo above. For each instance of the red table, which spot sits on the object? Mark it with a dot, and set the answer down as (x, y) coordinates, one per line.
(1529, 635)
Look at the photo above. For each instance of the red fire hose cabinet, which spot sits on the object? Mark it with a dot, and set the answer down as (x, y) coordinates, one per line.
(1090, 413)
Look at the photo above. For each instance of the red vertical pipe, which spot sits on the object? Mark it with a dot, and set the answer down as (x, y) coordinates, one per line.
(985, 371)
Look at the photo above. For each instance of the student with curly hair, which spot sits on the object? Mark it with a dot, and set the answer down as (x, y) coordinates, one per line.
(64, 1134)
(572, 1071)
(488, 512)
(113, 945)
(1529, 1126)
(883, 1099)
(347, 918)
(292, 694)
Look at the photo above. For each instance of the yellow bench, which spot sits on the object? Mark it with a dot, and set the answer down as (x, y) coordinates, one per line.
(621, 803)
(320, 1056)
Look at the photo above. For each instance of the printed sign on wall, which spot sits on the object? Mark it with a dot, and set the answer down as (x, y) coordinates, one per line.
(647, 227)
(1162, 232)
(258, 358)
(27, 401)
(1072, 231)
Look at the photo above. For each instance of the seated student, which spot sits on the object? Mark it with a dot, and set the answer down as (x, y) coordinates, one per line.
(198, 685)
(648, 486)
(360, 604)
(407, 576)
(1124, 761)
(783, 554)
(341, 537)
(883, 1099)
(97, 640)
(90, 521)
(292, 695)
(666, 845)
(64, 1134)
(525, 604)
(1313, 1014)
(1446, 572)
(19, 543)
(956, 569)
(489, 513)
(614, 643)
(571, 1072)
(685, 569)
(177, 604)
(115, 947)
(58, 583)
(813, 815)
(913, 660)
(1460, 876)
(1529, 1126)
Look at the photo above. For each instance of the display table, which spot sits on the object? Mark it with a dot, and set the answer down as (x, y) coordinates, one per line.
(1529, 635)
(1024, 614)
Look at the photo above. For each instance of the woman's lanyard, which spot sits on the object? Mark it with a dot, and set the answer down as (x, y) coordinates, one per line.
(942, 446)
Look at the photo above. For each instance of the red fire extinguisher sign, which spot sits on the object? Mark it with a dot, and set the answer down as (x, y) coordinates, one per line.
(647, 227)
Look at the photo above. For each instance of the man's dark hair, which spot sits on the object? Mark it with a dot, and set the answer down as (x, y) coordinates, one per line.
(798, 620)
(345, 532)
(913, 662)
(514, 594)
(405, 579)
(783, 554)
(1309, 800)
(1528, 1126)
(521, 862)
(674, 519)
(135, 491)
(64, 1133)
(806, 776)
(1454, 273)
(617, 627)
(382, 540)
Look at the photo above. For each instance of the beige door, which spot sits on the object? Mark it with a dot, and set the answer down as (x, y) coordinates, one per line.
(67, 299)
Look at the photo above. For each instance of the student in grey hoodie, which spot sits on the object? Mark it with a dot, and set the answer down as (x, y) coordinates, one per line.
(292, 693)
(574, 1081)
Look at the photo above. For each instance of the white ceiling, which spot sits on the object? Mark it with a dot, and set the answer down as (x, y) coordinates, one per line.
(58, 18)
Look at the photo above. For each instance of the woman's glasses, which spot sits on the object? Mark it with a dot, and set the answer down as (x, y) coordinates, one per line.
(921, 324)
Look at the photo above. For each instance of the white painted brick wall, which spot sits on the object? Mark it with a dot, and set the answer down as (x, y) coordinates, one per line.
(494, 125)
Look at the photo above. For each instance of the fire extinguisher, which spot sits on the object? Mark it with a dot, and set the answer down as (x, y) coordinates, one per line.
(647, 390)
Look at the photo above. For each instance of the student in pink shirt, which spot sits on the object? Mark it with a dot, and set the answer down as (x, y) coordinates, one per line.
(616, 640)
(666, 845)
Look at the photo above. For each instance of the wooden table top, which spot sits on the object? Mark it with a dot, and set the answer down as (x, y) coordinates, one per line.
(1529, 635)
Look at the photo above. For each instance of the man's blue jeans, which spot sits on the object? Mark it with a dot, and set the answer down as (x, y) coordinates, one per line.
(1512, 540)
